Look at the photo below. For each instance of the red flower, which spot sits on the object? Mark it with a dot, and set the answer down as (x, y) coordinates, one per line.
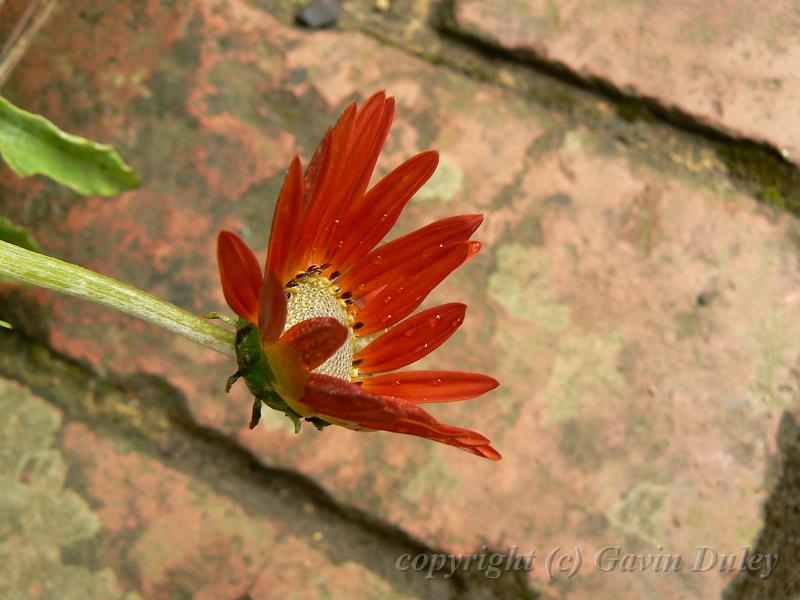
(304, 341)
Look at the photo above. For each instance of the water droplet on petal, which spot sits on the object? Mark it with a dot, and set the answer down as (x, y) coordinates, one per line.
(437, 381)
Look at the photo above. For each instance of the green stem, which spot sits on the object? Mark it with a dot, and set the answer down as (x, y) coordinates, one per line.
(44, 271)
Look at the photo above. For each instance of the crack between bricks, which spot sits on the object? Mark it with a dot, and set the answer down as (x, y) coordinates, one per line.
(151, 415)
(446, 25)
(755, 168)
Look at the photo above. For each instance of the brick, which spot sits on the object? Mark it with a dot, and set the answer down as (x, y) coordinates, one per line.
(629, 409)
(730, 65)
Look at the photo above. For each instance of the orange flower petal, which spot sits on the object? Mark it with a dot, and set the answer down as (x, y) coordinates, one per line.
(430, 386)
(331, 172)
(332, 397)
(316, 340)
(272, 308)
(433, 430)
(240, 275)
(386, 262)
(474, 248)
(314, 168)
(463, 439)
(286, 224)
(402, 296)
(372, 125)
(484, 451)
(412, 339)
(377, 211)
(285, 363)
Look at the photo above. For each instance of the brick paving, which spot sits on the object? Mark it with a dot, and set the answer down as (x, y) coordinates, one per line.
(729, 64)
(639, 317)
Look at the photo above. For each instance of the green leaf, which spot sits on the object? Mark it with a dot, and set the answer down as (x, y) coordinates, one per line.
(31, 144)
(18, 236)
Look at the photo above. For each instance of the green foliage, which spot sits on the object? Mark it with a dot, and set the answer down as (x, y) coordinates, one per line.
(16, 235)
(31, 144)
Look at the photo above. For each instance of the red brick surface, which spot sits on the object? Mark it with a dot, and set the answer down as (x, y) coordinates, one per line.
(642, 324)
(89, 518)
(730, 64)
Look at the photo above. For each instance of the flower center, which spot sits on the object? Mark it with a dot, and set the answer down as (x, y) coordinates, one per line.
(314, 295)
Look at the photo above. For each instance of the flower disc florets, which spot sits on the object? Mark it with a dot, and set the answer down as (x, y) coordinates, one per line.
(310, 295)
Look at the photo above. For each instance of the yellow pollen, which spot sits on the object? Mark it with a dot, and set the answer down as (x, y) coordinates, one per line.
(314, 295)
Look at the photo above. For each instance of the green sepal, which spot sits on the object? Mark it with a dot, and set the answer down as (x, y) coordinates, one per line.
(254, 368)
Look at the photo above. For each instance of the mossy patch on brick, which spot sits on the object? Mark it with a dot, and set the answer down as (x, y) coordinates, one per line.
(520, 284)
(642, 511)
(39, 515)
